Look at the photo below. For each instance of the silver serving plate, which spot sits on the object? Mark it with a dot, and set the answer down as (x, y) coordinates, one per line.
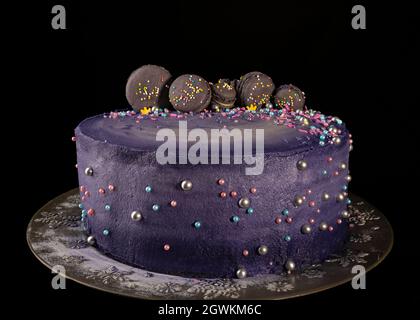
(56, 237)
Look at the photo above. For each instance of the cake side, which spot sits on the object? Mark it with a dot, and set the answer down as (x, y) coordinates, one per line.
(139, 211)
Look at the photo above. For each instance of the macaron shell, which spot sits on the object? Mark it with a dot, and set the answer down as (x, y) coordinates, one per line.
(289, 96)
(190, 93)
(148, 87)
(223, 93)
(255, 88)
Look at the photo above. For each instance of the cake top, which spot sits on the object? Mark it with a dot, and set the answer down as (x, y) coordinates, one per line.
(284, 130)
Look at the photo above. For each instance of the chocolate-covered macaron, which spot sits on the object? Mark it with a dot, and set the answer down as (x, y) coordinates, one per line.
(255, 88)
(190, 92)
(223, 95)
(290, 97)
(148, 87)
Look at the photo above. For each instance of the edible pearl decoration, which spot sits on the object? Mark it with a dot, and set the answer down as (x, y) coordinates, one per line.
(241, 273)
(233, 194)
(89, 171)
(111, 187)
(107, 207)
(302, 165)
(306, 229)
(262, 250)
(221, 182)
(253, 190)
(245, 253)
(244, 203)
(235, 219)
(345, 214)
(290, 265)
(91, 212)
(298, 201)
(173, 203)
(250, 210)
(336, 140)
(186, 185)
(340, 197)
(166, 247)
(343, 166)
(323, 226)
(105, 232)
(348, 178)
(148, 189)
(197, 224)
(325, 196)
(91, 240)
(136, 215)
(155, 207)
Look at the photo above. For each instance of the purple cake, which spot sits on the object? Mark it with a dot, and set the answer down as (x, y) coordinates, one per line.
(215, 218)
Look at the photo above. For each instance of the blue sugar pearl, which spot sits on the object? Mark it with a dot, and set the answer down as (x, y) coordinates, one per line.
(105, 232)
(235, 219)
(287, 238)
(325, 132)
(197, 224)
(344, 188)
(322, 137)
(250, 210)
(155, 207)
(107, 207)
(285, 212)
(84, 212)
(324, 172)
(148, 189)
(81, 205)
(348, 201)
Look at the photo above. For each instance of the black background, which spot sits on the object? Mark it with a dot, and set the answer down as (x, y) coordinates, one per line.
(366, 77)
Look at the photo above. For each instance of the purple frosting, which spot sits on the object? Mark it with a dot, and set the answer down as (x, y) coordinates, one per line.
(121, 151)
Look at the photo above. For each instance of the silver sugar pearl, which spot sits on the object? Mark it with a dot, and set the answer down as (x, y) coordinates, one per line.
(325, 196)
(89, 171)
(323, 226)
(298, 201)
(290, 265)
(91, 240)
(340, 197)
(348, 178)
(306, 229)
(136, 215)
(269, 105)
(302, 165)
(241, 273)
(336, 140)
(186, 185)
(345, 214)
(244, 203)
(343, 166)
(262, 250)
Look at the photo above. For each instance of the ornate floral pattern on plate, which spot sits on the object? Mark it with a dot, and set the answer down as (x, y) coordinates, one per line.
(55, 235)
